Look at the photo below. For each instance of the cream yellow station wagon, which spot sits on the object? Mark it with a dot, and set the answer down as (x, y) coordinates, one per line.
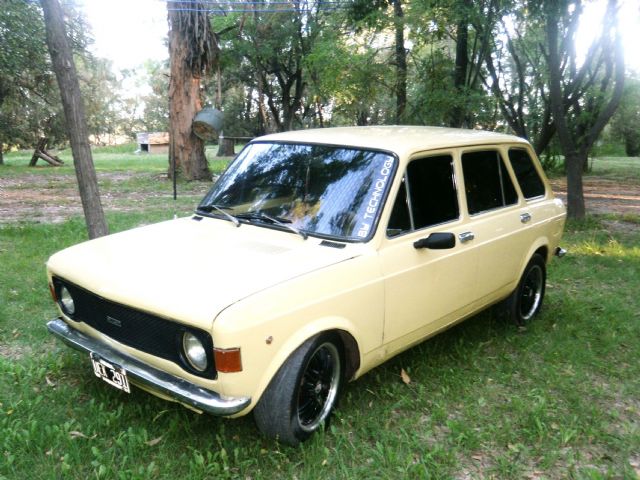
(316, 256)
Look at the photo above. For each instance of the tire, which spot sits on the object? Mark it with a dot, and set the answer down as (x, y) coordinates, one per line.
(526, 301)
(302, 395)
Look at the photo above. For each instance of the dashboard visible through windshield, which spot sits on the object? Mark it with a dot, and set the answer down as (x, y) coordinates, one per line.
(322, 190)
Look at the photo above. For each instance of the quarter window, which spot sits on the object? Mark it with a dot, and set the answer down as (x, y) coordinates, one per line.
(427, 196)
(487, 182)
(530, 182)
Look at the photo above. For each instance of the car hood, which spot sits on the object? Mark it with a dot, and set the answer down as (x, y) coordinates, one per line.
(191, 270)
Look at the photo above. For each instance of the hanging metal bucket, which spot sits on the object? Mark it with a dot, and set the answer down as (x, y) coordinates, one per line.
(207, 123)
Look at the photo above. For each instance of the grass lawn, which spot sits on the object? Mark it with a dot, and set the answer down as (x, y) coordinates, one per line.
(560, 399)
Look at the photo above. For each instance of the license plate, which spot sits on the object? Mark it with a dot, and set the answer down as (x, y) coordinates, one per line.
(114, 375)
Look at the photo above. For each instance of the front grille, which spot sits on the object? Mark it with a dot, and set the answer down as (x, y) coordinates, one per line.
(134, 328)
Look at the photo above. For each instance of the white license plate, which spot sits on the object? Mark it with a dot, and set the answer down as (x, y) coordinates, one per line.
(114, 375)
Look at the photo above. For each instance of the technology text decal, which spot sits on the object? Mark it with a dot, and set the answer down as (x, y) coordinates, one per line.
(374, 200)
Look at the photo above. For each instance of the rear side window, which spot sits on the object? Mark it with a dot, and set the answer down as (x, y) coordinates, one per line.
(487, 182)
(427, 196)
(530, 182)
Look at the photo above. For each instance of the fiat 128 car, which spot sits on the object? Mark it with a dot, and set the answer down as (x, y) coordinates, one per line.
(316, 256)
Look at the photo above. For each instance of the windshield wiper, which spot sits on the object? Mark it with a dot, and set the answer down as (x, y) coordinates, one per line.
(211, 207)
(281, 222)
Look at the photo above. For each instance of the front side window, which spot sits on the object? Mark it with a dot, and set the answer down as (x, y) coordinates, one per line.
(487, 182)
(317, 189)
(526, 173)
(427, 196)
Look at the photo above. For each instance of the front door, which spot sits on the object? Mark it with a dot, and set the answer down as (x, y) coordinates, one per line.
(425, 289)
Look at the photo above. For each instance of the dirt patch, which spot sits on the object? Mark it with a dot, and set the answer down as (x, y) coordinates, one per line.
(603, 195)
(53, 198)
(40, 198)
(14, 351)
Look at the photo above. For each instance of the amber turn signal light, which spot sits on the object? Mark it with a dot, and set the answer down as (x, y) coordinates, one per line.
(228, 360)
(53, 293)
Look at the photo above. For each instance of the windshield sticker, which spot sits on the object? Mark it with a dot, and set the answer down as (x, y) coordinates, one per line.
(375, 199)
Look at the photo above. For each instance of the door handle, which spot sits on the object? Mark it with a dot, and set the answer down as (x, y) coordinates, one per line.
(466, 237)
(525, 217)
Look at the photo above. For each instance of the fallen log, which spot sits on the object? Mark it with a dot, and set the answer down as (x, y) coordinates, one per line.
(41, 152)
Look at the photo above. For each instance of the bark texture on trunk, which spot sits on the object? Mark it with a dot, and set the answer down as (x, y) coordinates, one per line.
(575, 195)
(185, 148)
(192, 51)
(65, 70)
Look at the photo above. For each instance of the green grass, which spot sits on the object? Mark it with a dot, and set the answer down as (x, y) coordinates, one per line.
(560, 399)
(623, 169)
(106, 159)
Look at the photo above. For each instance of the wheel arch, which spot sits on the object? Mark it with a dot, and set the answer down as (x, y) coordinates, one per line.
(541, 247)
(340, 327)
(543, 250)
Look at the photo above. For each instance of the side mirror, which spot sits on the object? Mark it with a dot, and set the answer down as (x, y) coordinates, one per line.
(436, 241)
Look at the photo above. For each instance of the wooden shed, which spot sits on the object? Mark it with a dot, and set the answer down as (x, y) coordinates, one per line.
(153, 142)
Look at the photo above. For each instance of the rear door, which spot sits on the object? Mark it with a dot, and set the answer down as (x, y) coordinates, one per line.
(497, 223)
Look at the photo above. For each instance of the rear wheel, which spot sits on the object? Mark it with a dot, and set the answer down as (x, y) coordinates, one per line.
(526, 301)
(304, 392)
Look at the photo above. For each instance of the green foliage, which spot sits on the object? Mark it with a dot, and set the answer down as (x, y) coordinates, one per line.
(26, 80)
(267, 56)
(353, 78)
(517, 73)
(625, 124)
(30, 104)
(156, 109)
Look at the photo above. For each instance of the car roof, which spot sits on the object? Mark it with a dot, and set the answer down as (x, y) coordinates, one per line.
(403, 140)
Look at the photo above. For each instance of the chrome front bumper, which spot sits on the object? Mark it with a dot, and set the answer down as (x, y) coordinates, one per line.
(174, 387)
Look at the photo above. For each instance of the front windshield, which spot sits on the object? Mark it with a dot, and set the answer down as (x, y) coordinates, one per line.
(316, 189)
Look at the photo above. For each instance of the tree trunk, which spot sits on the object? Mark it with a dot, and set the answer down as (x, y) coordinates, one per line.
(247, 107)
(461, 68)
(287, 109)
(318, 114)
(186, 151)
(226, 147)
(575, 196)
(1, 155)
(262, 111)
(65, 70)
(362, 118)
(631, 146)
(401, 63)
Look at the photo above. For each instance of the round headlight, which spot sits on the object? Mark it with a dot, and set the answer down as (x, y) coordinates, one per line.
(194, 351)
(66, 301)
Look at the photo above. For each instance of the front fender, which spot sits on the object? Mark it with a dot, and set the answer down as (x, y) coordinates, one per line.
(309, 330)
(269, 326)
(263, 358)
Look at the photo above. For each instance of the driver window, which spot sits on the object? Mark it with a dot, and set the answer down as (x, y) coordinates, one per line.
(427, 196)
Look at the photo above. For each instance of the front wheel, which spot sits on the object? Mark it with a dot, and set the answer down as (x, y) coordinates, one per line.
(304, 391)
(525, 302)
